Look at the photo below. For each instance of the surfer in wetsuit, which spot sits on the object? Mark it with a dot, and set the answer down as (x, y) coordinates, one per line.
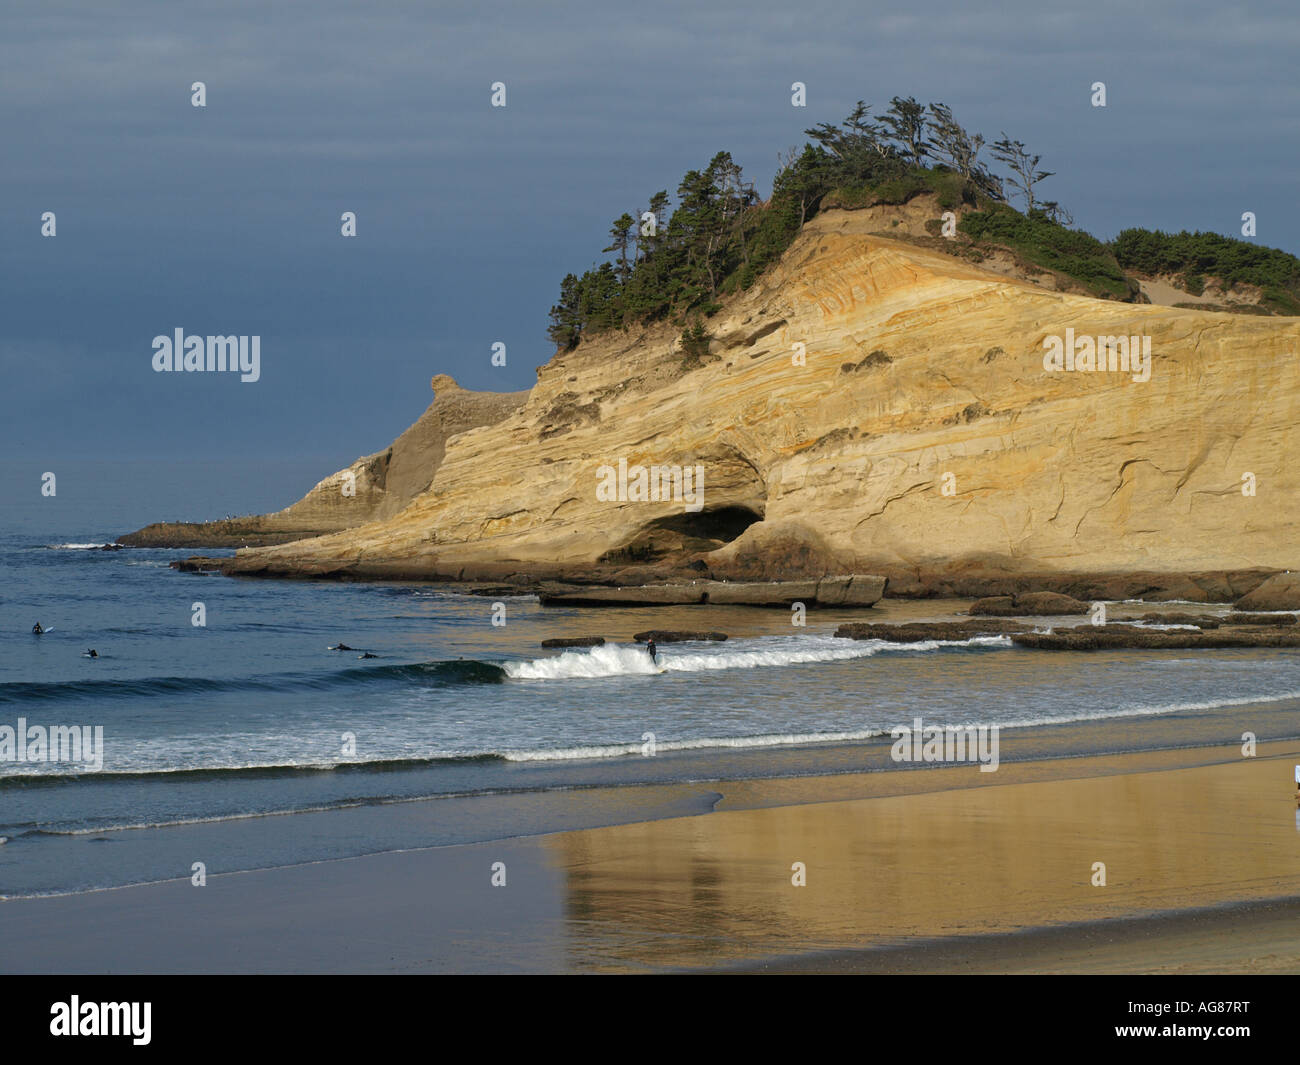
(37, 630)
(652, 651)
(92, 653)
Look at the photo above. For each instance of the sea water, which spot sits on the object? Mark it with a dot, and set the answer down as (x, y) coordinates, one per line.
(246, 743)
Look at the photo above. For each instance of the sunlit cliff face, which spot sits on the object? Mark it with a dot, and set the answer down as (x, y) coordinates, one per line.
(882, 405)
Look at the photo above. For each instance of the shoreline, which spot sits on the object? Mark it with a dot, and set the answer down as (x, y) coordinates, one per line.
(909, 871)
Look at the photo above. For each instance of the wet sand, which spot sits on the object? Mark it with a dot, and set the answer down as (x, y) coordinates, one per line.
(889, 871)
(945, 870)
(1246, 938)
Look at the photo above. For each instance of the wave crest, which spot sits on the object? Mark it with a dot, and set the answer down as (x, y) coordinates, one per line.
(615, 660)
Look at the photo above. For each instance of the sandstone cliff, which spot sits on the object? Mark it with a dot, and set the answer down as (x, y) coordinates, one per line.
(374, 487)
(922, 439)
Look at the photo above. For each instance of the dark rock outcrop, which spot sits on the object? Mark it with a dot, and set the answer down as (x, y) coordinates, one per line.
(1030, 604)
(1279, 592)
(917, 632)
(678, 636)
(1127, 637)
(1201, 621)
(968, 581)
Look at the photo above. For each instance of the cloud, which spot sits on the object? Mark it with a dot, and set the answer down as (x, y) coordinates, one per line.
(469, 215)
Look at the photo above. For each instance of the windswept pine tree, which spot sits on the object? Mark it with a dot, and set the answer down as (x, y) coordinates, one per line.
(1024, 168)
(905, 121)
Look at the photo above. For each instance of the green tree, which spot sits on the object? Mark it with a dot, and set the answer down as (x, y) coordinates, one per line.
(802, 179)
(566, 317)
(621, 236)
(905, 121)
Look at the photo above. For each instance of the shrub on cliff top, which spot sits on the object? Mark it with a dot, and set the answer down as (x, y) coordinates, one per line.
(1051, 245)
(1196, 256)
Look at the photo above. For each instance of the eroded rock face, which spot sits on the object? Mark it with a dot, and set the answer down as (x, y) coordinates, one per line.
(373, 488)
(1281, 592)
(950, 460)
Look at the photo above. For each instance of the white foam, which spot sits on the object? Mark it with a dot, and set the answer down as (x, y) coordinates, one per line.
(607, 661)
(1141, 711)
(617, 750)
(613, 660)
(77, 547)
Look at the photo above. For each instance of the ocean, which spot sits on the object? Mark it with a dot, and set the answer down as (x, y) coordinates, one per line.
(246, 743)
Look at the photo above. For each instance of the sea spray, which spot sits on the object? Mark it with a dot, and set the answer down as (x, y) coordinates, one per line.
(613, 660)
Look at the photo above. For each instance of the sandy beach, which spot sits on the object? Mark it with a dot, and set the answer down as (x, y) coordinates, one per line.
(936, 870)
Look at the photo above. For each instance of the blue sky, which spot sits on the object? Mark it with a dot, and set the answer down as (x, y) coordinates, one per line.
(225, 219)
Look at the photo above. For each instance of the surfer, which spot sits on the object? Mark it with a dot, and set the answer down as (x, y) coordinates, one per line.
(340, 647)
(37, 630)
(92, 653)
(367, 654)
(652, 651)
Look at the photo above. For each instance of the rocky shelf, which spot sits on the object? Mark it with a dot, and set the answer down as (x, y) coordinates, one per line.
(856, 590)
(1118, 635)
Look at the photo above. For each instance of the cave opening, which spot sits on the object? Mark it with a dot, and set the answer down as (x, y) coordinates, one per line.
(680, 534)
(723, 525)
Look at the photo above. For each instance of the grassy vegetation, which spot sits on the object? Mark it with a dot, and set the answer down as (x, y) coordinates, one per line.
(1039, 240)
(951, 190)
(1193, 257)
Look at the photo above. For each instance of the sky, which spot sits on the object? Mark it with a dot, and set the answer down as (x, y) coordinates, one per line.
(225, 219)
